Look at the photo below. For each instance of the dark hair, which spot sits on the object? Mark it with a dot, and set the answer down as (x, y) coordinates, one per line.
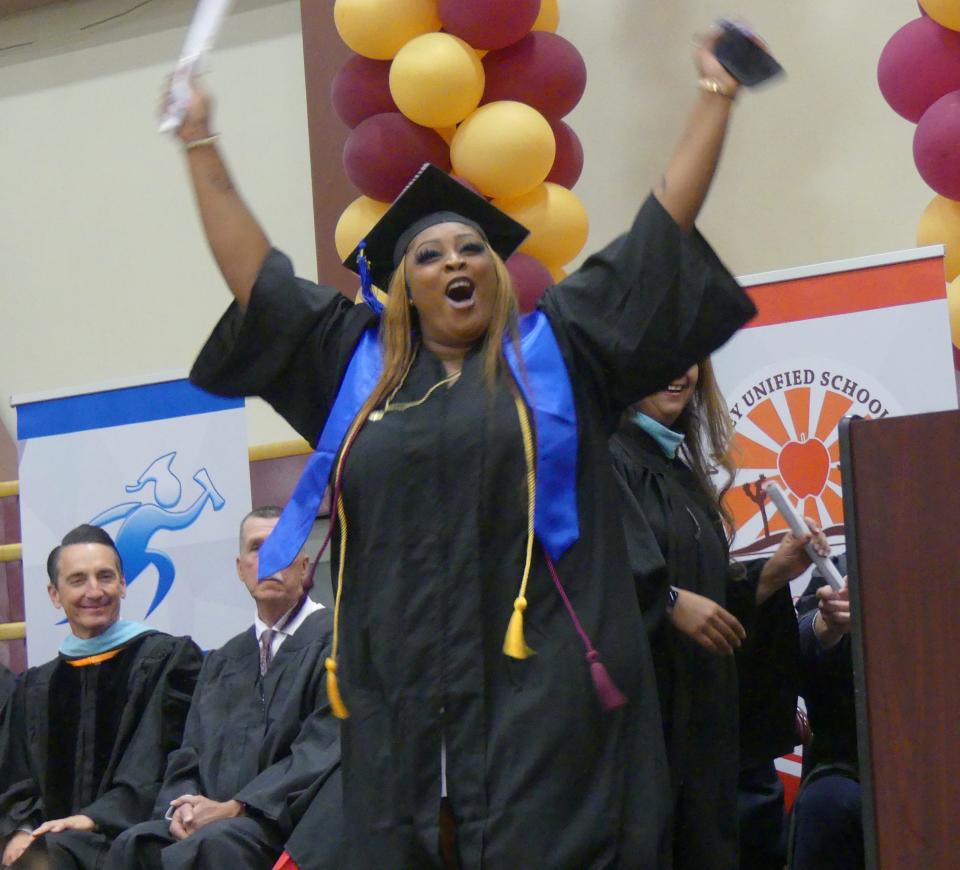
(82, 534)
(267, 512)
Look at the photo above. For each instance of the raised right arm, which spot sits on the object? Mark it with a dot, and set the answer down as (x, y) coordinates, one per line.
(238, 243)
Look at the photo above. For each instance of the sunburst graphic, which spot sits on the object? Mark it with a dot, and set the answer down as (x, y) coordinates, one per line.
(790, 438)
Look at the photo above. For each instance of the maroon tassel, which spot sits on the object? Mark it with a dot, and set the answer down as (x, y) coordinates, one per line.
(610, 697)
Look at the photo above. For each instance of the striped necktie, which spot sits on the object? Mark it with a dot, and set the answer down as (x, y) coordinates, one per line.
(266, 650)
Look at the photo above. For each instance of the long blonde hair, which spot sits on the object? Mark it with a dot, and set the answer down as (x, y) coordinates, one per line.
(397, 332)
(708, 439)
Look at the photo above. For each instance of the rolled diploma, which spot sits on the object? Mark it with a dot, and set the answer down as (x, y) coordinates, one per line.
(201, 36)
(799, 527)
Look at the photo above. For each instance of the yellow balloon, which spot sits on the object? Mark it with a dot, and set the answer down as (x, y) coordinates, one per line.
(446, 133)
(940, 225)
(436, 80)
(380, 28)
(356, 221)
(556, 219)
(953, 306)
(548, 18)
(944, 12)
(505, 148)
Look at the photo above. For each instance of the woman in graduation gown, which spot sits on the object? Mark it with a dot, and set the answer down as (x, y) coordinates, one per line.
(700, 607)
(551, 759)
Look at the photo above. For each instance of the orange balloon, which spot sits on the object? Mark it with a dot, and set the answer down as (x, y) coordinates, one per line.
(380, 28)
(505, 148)
(940, 225)
(548, 18)
(945, 12)
(436, 80)
(355, 222)
(953, 306)
(556, 219)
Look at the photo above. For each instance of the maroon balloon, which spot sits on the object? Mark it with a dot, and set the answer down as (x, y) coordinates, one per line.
(935, 146)
(530, 279)
(919, 64)
(488, 23)
(542, 70)
(383, 152)
(361, 88)
(568, 164)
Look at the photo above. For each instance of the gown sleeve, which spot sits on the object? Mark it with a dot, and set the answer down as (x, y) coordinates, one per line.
(167, 683)
(20, 802)
(644, 309)
(644, 554)
(290, 347)
(183, 763)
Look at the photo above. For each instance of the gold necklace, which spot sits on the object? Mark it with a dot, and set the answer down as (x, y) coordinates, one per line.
(389, 406)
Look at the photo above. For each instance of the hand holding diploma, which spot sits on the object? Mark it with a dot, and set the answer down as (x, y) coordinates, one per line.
(204, 28)
(832, 620)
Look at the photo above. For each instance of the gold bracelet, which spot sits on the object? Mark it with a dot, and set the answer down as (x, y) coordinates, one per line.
(713, 86)
(199, 143)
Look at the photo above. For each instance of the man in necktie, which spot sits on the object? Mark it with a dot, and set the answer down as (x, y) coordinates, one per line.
(260, 743)
(85, 737)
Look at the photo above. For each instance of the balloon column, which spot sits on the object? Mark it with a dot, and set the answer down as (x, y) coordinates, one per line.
(478, 88)
(919, 76)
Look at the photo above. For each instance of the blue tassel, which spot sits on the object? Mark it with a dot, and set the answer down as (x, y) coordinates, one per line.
(366, 285)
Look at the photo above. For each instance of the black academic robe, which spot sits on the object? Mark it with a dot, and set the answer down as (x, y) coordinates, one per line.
(537, 774)
(263, 741)
(675, 538)
(7, 683)
(827, 687)
(269, 742)
(94, 740)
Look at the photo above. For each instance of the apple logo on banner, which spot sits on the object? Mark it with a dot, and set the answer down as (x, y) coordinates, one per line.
(786, 420)
(804, 466)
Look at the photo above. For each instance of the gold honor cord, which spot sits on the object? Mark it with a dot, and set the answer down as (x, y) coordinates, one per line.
(514, 644)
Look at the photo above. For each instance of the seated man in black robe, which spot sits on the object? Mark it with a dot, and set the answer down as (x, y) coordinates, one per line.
(260, 741)
(84, 739)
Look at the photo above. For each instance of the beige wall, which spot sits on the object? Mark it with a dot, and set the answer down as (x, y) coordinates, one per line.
(103, 272)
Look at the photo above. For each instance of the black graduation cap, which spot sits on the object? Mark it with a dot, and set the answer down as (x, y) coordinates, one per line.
(431, 197)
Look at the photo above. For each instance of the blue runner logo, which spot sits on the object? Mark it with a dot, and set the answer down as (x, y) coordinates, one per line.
(139, 520)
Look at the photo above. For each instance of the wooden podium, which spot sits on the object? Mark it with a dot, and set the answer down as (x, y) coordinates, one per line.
(901, 488)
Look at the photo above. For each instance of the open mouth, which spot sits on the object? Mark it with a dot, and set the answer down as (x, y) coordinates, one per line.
(676, 389)
(460, 293)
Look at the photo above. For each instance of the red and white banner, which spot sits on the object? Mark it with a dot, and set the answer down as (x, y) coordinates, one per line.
(867, 337)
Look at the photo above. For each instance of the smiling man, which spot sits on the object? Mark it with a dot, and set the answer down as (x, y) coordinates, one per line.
(84, 740)
(260, 744)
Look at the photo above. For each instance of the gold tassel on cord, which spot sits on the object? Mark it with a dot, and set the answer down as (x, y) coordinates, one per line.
(514, 643)
(333, 690)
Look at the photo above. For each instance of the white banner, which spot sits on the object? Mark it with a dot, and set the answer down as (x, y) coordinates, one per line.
(164, 469)
(867, 337)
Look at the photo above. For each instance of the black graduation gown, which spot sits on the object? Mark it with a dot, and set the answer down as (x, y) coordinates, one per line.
(94, 740)
(675, 538)
(7, 683)
(537, 774)
(265, 742)
(269, 742)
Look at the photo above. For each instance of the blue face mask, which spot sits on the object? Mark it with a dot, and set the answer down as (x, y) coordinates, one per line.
(668, 440)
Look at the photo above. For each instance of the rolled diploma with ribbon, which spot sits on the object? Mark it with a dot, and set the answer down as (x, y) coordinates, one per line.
(800, 528)
(204, 28)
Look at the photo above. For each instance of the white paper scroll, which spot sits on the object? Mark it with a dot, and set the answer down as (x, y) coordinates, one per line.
(203, 32)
